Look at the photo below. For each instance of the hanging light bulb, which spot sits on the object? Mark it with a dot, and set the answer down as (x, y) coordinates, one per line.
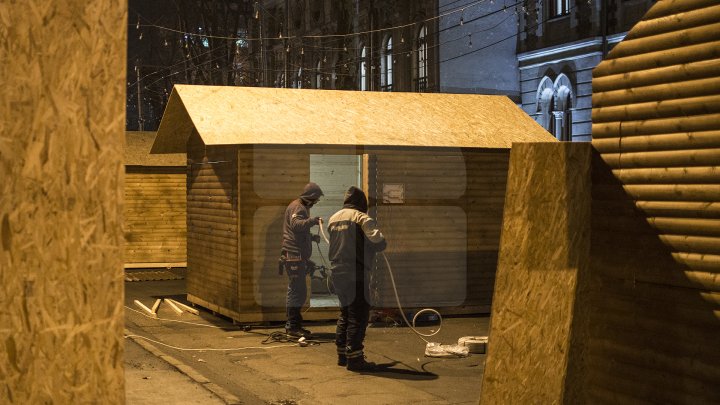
(345, 48)
(166, 42)
(141, 34)
(137, 27)
(324, 59)
(280, 35)
(302, 51)
(257, 14)
(287, 49)
(402, 39)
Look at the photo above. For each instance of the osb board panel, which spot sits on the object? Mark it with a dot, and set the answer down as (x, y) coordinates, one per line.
(212, 216)
(155, 215)
(61, 158)
(137, 151)
(287, 116)
(538, 313)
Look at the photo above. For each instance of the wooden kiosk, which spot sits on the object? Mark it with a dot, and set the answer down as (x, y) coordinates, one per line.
(154, 211)
(433, 165)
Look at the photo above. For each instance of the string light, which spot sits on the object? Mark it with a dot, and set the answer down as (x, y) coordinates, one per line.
(345, 47)
(355, 34)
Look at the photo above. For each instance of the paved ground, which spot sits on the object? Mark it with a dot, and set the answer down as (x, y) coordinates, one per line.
(240, 369)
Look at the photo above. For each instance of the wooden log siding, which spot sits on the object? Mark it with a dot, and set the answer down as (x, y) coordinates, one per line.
(212, 221)
(155, 215)
(656, 218)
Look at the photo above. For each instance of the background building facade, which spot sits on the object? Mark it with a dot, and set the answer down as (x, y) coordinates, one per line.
(477, 49)
(559, 43)
(381, 45)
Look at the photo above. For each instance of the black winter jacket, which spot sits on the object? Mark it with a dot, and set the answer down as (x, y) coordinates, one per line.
(297, 241)
(354, 236)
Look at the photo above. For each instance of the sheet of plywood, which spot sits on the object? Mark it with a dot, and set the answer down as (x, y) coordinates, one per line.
(251, 115)
(62, 72)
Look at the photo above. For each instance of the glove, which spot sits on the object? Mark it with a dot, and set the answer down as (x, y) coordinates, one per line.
(316, 238)
(316, 220)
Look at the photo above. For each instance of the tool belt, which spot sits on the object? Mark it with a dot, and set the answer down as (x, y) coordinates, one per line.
(287, 260)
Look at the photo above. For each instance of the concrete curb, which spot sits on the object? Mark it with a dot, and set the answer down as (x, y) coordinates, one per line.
(193, 374)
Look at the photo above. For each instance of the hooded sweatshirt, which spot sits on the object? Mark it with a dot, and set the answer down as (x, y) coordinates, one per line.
(297, 242)
(354, 236)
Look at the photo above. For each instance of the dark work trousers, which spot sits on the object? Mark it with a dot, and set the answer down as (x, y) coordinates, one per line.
(352, 289)
(296, 293)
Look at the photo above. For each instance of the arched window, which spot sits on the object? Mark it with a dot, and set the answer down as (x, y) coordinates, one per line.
(421, 65)
(298, 79)
(318, 75)
(562, 108)
(386, 65)
(544, 103)
(363, 68)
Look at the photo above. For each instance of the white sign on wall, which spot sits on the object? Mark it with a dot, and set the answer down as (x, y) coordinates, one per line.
(393, 193)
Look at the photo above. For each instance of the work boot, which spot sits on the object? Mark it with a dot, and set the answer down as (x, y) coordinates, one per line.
(358, 364)
(299, 332)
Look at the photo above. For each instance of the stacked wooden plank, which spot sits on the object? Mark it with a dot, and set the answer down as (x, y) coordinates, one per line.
(656, 211)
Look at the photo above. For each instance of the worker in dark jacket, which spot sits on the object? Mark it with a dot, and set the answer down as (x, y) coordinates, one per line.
(354, 240)
(296, 251)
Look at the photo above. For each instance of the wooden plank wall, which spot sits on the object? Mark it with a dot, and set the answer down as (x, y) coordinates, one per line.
(270, 177)
(62, 108)
(212, 223)
(656, 205)
(443, 241)
(155, 215)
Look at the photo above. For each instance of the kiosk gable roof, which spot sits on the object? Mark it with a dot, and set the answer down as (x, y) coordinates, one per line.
(253, 115)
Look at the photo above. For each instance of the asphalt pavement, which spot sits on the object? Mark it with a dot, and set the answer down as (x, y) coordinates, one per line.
(205, 359)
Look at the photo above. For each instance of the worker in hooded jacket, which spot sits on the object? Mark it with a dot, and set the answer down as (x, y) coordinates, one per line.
(296, 252)
(354, 241)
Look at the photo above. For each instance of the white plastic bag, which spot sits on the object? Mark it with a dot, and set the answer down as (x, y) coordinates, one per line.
(433, 349)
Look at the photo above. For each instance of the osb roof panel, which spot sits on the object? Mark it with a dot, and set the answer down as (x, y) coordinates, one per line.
(254, 115)
(137, 151)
